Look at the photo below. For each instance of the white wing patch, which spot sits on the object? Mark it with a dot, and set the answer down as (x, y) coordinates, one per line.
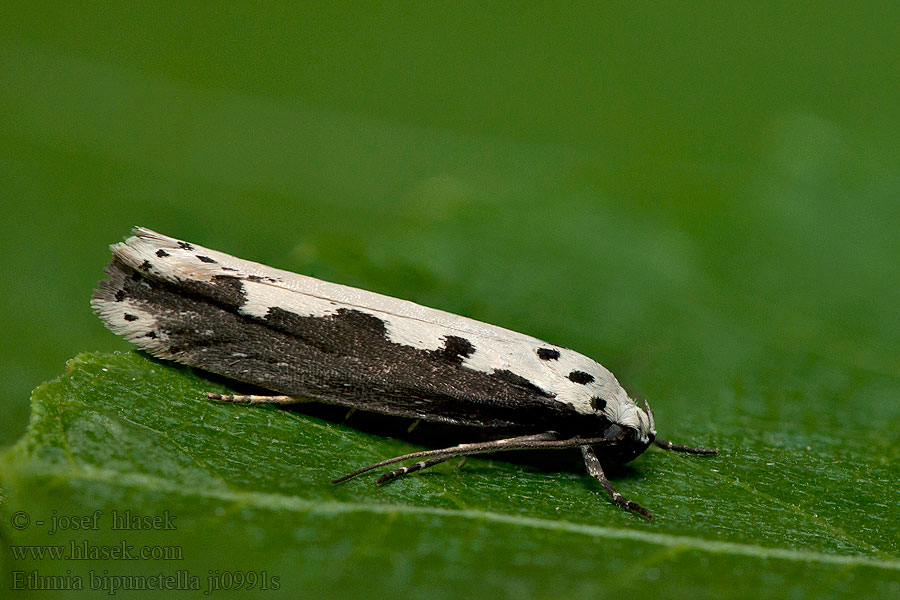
(262, 296)
(132, 322)
(406, 322)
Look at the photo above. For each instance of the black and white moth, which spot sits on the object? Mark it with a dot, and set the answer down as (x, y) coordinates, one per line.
(303, 338)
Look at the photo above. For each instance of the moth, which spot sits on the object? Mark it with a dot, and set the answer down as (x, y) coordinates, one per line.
(306, 339)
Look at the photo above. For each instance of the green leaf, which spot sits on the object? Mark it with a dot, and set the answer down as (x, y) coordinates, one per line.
(247, 490)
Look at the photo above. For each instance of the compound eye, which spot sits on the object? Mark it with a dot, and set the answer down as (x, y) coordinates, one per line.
(612, 431)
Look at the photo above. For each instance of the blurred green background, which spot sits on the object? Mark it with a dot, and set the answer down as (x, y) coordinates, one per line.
(705, 196)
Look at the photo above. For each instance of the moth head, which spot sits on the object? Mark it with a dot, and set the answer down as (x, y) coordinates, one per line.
(639, 430)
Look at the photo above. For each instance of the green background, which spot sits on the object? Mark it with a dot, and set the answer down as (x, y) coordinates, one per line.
(705, 198)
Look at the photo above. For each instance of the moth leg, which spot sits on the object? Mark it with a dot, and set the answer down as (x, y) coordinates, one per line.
(257, 399)
(422, 464)
(596, 471)
(667, 445)
(524, 442)
(549, 440)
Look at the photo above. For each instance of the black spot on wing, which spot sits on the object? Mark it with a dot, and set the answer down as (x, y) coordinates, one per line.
(205, 259)
(120, 295)
(548, 353)
(581, 377)
(129, 317)
(598, 403)
(162, 253)
(146, 266)
(185, 246)
(455, 350)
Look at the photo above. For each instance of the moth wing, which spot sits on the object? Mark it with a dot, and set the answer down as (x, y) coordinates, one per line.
(298, 335)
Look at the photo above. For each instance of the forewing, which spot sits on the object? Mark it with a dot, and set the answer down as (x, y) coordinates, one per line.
(298, 335)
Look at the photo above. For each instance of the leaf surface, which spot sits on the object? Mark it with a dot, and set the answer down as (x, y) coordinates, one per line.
(248, 487)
